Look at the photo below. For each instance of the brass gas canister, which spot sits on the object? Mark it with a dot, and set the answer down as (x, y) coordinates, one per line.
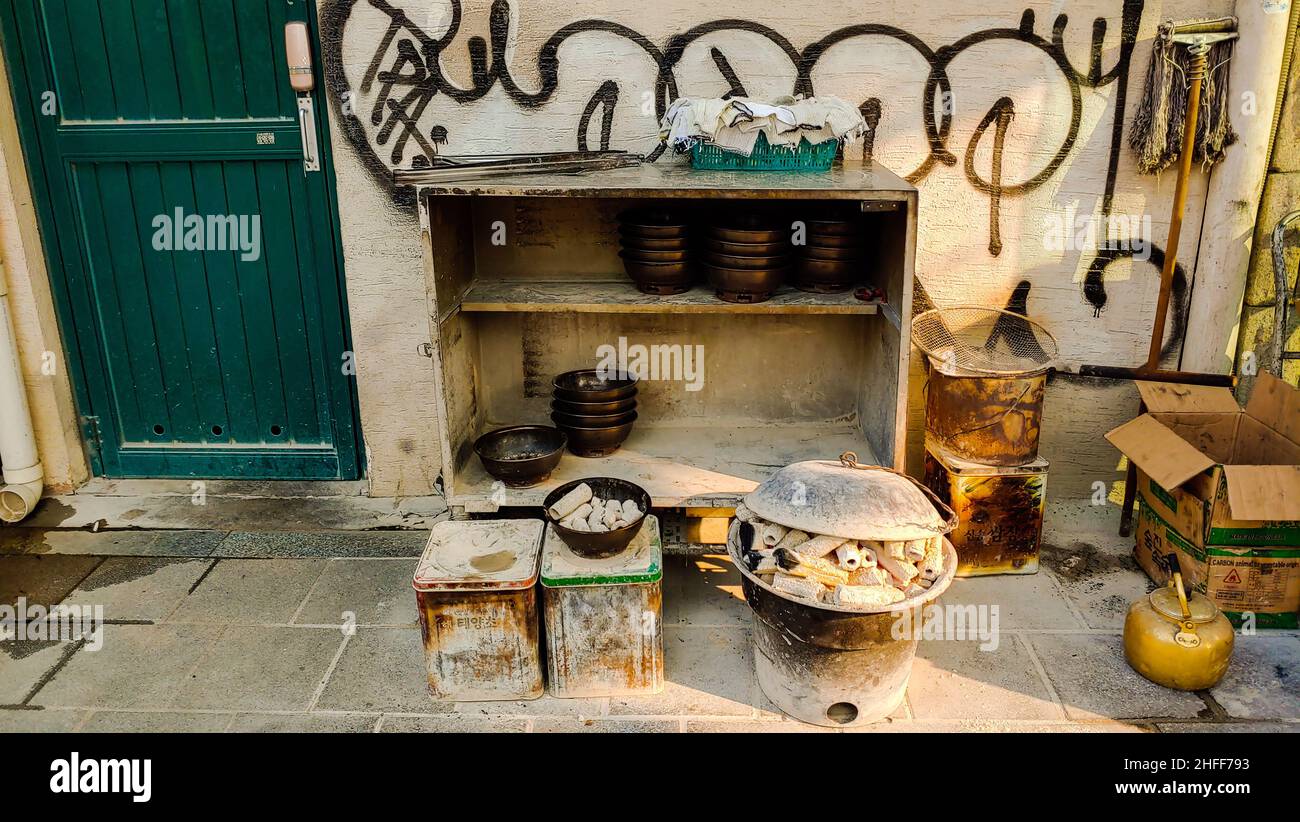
(1178, 640)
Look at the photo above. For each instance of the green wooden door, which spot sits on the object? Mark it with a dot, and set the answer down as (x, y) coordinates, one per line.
(196, 262)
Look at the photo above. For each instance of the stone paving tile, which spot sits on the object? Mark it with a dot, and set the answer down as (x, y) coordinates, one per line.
(169, 505)
(1090, 675)
(304, 723)
(381, 669)
(1101, 580)
(703, 591)
(753, 726)
(45, 721)
(1030, 601)
(46, 541)
(324, 544)
(1263, 679)
(375, 591)
(453, 723)
(184, 543)
(139, 666)
(42, 580)
(569, 725)
(138, 588)
(545, 705)
(707, 671)
(17, 540)
(109, 543)
(260, 668)
(24, 663)
(134, 722)
(959, 680)
(1229, 727)
(250, 591)
(1001, 726)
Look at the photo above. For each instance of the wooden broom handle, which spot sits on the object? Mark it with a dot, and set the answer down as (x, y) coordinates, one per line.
(1196, 73)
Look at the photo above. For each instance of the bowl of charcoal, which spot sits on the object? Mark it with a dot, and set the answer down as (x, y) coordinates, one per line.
(597, 517)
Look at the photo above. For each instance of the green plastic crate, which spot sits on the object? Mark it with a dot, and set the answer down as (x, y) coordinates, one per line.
(807, 157)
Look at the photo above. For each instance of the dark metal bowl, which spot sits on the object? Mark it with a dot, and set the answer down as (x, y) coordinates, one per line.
(652, 222)
(753, 219)
(641, 255)
(738, 261)
(827, 276)
(660, 278)
(597, 442)
(818, 252)
(749, 235)
(745, 285)
(631, 242)
(653, 215)
(840, 228)
(836, 240)
(839, 270)
(566, 420)
(589, 408)
(748, 249)
(588, 385)
(609, 543)
(521, 455)
(653, 232)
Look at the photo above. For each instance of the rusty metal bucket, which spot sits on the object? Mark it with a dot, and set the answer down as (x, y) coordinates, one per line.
(833, 666)
(988, 419)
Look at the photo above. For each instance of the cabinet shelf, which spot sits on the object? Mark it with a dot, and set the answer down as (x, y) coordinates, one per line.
(706, 465)
(615, 296)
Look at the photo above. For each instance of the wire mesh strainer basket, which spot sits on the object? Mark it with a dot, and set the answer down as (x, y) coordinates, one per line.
(969, 339)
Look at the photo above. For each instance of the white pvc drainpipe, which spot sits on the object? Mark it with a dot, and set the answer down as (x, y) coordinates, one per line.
(23, 475)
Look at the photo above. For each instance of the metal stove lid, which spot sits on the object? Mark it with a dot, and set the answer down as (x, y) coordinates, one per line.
(483, 555)
(847, 499)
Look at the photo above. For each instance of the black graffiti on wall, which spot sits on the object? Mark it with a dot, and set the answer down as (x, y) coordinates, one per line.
(405, 74)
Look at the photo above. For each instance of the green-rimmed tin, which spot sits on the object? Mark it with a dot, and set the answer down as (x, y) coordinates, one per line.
(604, 632)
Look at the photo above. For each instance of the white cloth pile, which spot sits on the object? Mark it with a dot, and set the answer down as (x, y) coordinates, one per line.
(834, 570)
(734, 124)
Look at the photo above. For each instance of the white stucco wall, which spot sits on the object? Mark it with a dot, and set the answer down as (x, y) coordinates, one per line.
(22, 264)
(1060, 158)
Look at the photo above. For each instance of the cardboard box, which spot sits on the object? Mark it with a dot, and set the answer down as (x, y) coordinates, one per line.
(1221, 475)
(1261, 581)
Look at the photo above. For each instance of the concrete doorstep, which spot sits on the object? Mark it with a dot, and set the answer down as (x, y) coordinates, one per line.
(213, 630)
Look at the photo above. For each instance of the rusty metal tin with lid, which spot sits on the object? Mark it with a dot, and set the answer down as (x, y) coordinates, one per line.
(477, 595)
(603, 617)
(489, 555)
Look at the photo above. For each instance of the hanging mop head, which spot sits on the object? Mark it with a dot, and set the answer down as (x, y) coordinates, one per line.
(1157, 134)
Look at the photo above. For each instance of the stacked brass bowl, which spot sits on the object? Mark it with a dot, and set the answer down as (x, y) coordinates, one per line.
(746, 258)
(834, 258)
(655, 247)
(594, 410)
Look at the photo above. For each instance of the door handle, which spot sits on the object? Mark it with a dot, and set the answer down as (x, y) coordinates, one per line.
(297, 52)
(307, 130)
